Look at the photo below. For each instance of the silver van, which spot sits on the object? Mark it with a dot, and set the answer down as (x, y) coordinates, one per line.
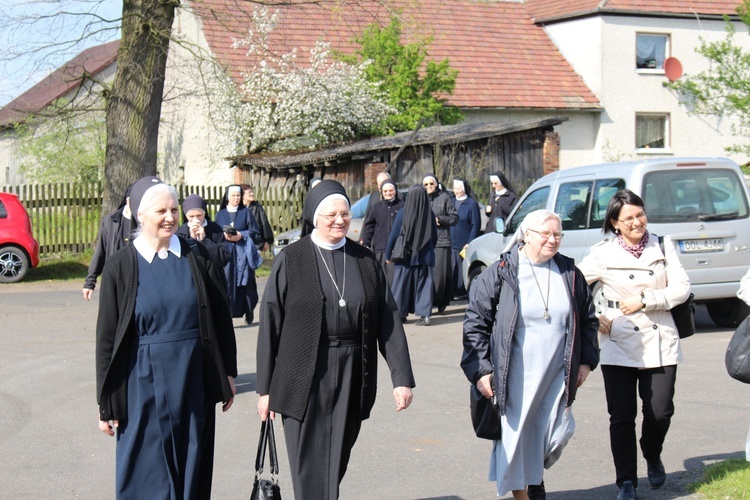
(702, 203)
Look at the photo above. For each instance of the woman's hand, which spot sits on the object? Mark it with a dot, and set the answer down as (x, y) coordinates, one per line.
(583, 373)
(234, 238)
(484, 385)
(228, 404)
(631, 304)
(263, 409)
(197, 232)
(403, 397)
(108, 426)
(605, 325)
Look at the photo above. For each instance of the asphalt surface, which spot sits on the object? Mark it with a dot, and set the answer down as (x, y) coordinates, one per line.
(51, 448)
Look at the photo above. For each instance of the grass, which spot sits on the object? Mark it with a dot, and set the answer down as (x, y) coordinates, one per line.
(729, 479)
(74, 267)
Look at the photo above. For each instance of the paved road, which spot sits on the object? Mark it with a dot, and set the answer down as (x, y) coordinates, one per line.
(51, 448)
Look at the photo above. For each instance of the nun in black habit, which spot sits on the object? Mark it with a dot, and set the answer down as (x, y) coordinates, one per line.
(318, 340)
(412, 279)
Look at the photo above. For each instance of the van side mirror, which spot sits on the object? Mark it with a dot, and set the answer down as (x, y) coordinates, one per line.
(499, 225)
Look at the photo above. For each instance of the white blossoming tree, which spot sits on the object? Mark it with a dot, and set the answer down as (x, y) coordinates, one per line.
(287, 104)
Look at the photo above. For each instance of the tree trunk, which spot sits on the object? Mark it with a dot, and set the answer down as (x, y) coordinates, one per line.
(134, 106)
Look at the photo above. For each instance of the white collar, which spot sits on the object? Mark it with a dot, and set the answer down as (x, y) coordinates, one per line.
(462, 198)
(501, 192)
(149, 253)
(326, 246)
(232, 209)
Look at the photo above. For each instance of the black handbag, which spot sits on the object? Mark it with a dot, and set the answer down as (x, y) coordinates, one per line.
(682, 314)
(401, 250)
(264, 489)
(684, 317)
(737, 358)
(484, 415)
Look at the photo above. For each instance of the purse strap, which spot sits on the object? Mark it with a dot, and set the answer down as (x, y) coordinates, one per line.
(261, 455)
(272, 452)
(267, 437)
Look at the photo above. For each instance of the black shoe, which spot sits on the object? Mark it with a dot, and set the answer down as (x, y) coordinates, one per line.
(403, 320)
(656, 475)
(441, 309)
(627, 491)
(423, 321)
(536, 491)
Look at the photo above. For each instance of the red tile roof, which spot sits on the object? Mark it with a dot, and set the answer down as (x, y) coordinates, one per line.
(504, 60)
(559, 9)
(58, 83)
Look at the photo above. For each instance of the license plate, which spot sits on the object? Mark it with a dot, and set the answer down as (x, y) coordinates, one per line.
(707, 245)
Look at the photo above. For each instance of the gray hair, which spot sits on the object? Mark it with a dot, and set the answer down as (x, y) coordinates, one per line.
(148, 201)
(535, 218)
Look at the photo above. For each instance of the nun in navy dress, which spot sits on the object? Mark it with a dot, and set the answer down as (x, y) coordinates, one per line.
(240, 275)
(166, 354)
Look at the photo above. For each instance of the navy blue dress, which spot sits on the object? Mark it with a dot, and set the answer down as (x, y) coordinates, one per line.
(241, 286)
(170, 425)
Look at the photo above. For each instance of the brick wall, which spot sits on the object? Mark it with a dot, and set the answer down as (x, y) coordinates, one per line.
(551, 153)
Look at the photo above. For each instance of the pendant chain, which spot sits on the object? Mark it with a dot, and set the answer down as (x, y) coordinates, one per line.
(342, 302)
(549, 275)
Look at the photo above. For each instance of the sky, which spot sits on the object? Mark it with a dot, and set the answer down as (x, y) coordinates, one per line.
(38, 36)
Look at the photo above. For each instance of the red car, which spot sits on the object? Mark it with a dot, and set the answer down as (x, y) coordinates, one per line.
(18, 248)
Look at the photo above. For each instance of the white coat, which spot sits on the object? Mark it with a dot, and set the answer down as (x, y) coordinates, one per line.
(647, 338)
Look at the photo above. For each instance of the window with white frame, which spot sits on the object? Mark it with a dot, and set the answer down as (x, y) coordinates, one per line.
(651, 131)
(651, 51)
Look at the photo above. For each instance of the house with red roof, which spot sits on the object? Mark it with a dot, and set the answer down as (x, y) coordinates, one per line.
(601, 64)
(76, 80)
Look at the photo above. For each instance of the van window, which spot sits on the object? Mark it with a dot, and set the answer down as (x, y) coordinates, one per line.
(603, 192)
(694, 195)
(3, 210)
(573, 203)
(536, 200)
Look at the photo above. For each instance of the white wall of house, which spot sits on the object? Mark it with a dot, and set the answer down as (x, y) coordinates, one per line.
(10, 156)
(609, 69)
(186, 139)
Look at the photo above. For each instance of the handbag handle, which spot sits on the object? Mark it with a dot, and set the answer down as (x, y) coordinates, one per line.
(267, 437)
(271, 437)
(261, 455)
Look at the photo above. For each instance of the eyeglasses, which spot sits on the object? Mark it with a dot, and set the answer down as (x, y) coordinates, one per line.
(429, 183)
(546, 234)
(630, 220)
(333, 217)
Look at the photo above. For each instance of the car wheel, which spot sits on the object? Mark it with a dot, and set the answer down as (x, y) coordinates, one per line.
(473, 275)
(13, 265)
(728, 313)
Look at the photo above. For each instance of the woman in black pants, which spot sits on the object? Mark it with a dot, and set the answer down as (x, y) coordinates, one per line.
(640, 346)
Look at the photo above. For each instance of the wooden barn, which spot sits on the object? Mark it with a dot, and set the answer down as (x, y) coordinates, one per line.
(524, 150)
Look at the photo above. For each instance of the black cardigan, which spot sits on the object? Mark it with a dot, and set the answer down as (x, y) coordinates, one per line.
(115, 327)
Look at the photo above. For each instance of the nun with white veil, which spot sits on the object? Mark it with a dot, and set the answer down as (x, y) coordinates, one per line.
(530, 340)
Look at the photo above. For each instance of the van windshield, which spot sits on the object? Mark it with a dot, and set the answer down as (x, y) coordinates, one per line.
(694, 195)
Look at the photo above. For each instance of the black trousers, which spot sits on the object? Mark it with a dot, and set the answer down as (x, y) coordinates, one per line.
(655, 386)
(442, 277)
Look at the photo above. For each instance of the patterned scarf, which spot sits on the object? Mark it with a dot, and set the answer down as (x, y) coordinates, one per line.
(634, 250)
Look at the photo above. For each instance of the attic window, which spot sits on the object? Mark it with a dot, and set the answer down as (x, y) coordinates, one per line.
(650, 52)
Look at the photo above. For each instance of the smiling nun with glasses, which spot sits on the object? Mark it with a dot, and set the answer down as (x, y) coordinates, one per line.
(639, 340)
(530, 340)
(327, 310)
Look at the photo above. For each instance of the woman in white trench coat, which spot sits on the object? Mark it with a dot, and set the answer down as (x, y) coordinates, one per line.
(640, 347)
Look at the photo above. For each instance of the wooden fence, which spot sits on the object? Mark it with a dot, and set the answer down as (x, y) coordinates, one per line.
(65, 216)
